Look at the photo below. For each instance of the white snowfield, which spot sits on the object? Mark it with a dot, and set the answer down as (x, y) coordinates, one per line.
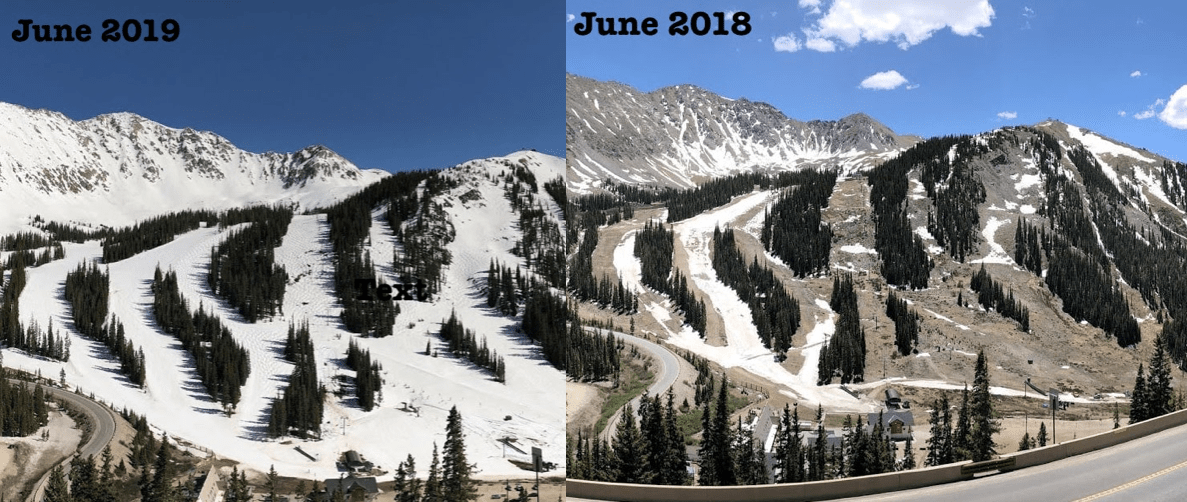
(997, 253)
(995, 390)
(630, 268)
(528, 408)
(744, 349)
(123, 168)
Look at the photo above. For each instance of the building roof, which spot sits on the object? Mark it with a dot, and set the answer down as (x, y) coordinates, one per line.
(349, 484)
(830, 437)
(889, 416)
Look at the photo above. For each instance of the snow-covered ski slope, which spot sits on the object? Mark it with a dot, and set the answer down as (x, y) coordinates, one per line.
(175, 401)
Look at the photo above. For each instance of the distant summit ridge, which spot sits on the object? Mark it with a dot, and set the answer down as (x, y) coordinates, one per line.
(676, 136)
(118, 167)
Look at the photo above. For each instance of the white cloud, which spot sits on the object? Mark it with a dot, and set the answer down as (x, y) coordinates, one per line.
(911, 86)
(813, 6)
(884, 80)
(1007, 115)
(1136, 73)
(820, 44)
(787, 43)
(1028, 12)
(569, 18)
(1149, 111)
(1121, 112)
(904, 22)
(1175, 113)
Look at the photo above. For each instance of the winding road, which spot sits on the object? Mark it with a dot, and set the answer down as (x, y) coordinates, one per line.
(104, 430)
(669, 371)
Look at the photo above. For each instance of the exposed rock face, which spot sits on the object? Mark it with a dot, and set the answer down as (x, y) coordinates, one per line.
(122, 166)
(677, 136)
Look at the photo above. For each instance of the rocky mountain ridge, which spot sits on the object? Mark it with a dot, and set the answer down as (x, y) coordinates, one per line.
(680, 135)
(119, 167)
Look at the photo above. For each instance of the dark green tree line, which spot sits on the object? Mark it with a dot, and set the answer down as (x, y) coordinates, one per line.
(87, 292)
(792, 229)
(243, 267)
(775, 313)
(844, 354)
(222, 364)
(991, 296)
(465, 343)
(367, 382)
(906, 323)
(298, 410)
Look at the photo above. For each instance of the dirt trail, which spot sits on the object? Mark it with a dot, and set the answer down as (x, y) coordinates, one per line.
(24, 460)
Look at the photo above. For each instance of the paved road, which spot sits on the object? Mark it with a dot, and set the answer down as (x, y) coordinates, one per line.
(1153, 468)
(104, 429)
(669, 371)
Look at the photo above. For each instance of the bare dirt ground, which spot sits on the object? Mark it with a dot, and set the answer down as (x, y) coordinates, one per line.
(24, 460)
(1057, 352)
(583, 402)
(646, 325)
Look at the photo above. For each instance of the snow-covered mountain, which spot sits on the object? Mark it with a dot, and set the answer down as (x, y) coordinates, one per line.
(994, 192)
(117, 168)
(678, 136)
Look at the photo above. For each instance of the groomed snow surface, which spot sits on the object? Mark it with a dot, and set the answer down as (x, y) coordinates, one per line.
(176, 403)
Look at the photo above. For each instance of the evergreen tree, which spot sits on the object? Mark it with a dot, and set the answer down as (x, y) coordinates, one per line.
(1139, 401)
(789, 454)
(271, 486)
(1024, 444)
(407, 485)
(984, 425)
(817, 460)
(55, 488)
(434, 491)
(748, 460)
(1159, 391)
(940, 448)
(792, 229)
(908, 455)
(717, 462)
(844, 354)
(962, 434)
(299, 409)
(675, 466)
(83, 478)
(456, 481)
(630, 450)
(1042, 437)
(162, 483)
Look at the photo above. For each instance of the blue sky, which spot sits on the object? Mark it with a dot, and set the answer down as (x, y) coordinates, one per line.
(921, 66)
(391, 85)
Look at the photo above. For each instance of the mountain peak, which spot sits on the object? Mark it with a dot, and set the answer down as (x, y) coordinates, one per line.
(116, 168)
(677, 135)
